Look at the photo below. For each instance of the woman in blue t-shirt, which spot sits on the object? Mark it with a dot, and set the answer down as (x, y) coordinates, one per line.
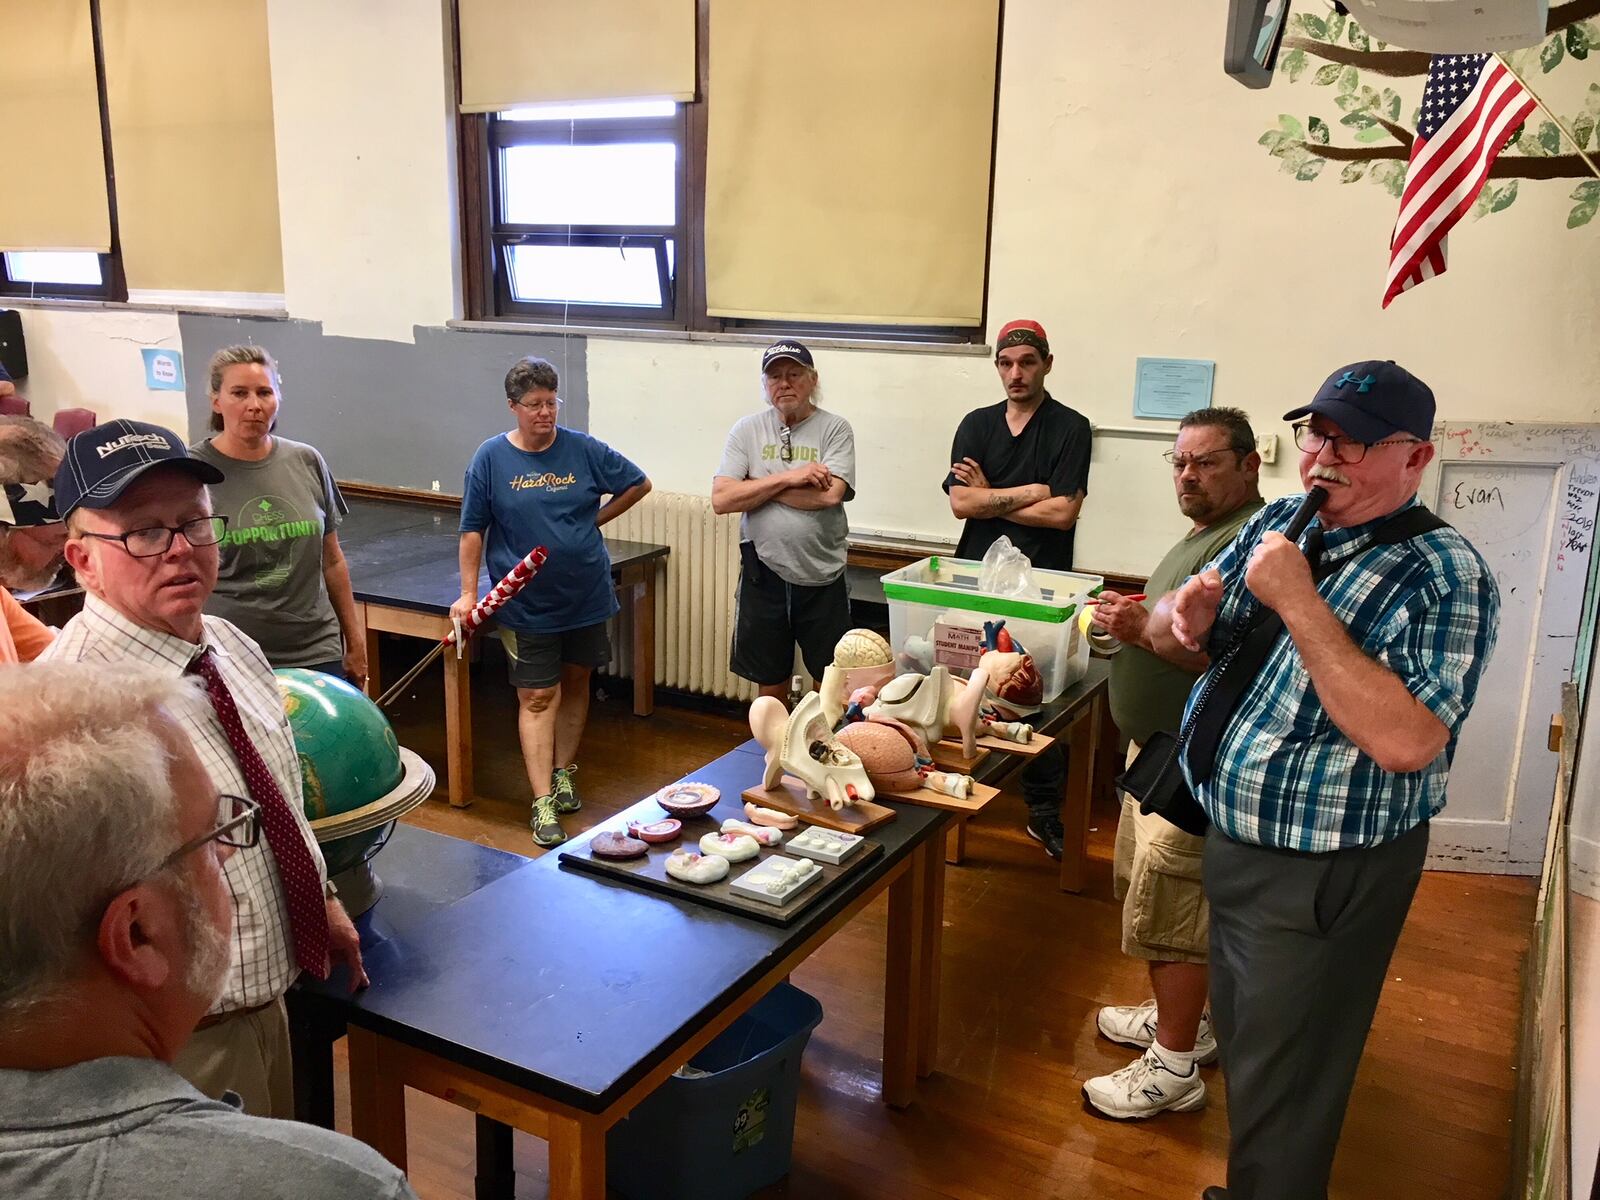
(541, 485)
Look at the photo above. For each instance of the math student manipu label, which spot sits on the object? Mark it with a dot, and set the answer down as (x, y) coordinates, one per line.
(958, 646)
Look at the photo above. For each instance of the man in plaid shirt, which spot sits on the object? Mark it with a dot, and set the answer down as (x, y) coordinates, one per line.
(1333, 761)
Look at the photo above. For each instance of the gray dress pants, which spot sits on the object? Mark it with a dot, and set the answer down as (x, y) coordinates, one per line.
(1300, 946)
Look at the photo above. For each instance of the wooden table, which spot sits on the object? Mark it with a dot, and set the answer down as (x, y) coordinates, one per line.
(403, 569)
(1080, 717)
(553, 1001)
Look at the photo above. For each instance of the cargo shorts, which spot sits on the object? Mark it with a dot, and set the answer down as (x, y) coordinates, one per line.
(1156, 875)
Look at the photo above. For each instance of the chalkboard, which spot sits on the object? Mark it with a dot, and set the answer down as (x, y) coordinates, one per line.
(1525, 496)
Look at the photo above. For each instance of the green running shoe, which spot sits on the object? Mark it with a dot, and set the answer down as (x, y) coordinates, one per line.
(562, 791)
(546, 823)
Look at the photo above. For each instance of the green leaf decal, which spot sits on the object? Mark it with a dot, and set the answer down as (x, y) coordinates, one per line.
(1504, 196)
(1352, 171)
(1551, 54)
(1326, 75)
(1293, 64)
(1318, 130)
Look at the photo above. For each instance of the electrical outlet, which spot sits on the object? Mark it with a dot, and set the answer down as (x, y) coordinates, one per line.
(1266, 446)
(436, 485)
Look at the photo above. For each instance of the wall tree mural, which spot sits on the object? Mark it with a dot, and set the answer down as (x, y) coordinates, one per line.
(1373, 143)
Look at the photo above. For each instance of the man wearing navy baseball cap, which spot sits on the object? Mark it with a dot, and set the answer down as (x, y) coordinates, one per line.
(1319, 744)
(143, 541)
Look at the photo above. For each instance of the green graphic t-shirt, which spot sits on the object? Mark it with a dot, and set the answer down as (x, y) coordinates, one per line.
(269, 580)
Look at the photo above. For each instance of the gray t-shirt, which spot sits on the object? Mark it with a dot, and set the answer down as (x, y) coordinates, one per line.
(802, 547)
(269, 581)
(132, 1129)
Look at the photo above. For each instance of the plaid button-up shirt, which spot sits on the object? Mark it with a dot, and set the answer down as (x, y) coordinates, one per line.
(263, 965)
(1426, 609)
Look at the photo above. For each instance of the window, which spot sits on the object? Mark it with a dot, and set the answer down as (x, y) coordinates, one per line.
(588, 211)
(596, 213)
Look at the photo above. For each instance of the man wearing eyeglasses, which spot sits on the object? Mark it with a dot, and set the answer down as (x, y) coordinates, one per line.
(1321, 776)
(1156, 869)
(114, 853)
(790, 469)
(31, 532)
(143, 542)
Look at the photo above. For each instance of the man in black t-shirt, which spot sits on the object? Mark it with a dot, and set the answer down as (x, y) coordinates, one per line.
(1021, 468)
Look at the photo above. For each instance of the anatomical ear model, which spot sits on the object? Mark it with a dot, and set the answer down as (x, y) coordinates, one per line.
(802, 744)
(930, 704)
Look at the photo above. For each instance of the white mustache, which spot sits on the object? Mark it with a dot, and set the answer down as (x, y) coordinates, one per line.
(1321, 472)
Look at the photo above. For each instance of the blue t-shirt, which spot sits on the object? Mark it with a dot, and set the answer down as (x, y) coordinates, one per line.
(520, 500)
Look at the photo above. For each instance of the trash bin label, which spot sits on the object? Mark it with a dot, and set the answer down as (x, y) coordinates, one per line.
(750, 1122)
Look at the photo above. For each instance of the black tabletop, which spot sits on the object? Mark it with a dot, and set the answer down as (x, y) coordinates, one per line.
(576, 987)
(403, 554)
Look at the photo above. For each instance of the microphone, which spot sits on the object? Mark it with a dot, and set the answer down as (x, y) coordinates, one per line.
(1308, 509)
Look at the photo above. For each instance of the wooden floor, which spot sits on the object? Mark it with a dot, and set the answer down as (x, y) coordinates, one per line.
(1025, 968)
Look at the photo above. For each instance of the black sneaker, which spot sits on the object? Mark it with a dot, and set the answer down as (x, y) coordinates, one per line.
(1048, 832)
(546, 824)
(562, 791)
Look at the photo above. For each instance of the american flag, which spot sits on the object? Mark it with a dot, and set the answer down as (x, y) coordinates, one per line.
(1470, 106)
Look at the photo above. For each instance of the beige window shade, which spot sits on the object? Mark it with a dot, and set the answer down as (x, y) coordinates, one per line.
(848, 160)
(54, 196)
(516, 52)
(189, 91)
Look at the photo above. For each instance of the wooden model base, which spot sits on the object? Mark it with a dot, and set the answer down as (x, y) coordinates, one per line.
(790, 797)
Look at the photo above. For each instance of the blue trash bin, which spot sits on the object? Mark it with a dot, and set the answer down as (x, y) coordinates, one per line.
(730, 1132)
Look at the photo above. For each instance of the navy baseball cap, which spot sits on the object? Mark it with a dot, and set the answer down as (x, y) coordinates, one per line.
(1373, 400)
(101, 462)
(791, 350)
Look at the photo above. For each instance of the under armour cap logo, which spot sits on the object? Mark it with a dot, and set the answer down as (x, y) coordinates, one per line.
(1364, 384)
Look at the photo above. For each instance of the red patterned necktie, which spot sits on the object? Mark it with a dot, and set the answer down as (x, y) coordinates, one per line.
(302, 885)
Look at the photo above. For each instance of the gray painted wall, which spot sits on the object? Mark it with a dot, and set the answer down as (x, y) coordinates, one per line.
(383, 412)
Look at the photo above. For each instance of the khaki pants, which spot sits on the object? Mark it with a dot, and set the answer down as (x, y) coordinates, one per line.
(247, 1054)
(1156, 874)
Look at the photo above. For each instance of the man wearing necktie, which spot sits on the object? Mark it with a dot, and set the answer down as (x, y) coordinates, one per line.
(1322, 769)
(143, 541)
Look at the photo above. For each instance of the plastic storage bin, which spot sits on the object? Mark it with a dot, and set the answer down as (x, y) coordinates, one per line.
(728, 1133)
(935, 605)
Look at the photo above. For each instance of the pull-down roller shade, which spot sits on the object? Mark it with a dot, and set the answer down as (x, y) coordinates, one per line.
(516, 52)
(189, 91)
(54, 194)
(848, 159)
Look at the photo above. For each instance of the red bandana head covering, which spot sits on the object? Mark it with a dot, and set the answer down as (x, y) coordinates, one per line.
(1023, 333)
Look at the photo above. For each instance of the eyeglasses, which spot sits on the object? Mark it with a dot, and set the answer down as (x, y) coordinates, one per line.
(241, 829)
(1200, 462)
(785, 451)
(1345, 449)
(157, 539)
(540, 405)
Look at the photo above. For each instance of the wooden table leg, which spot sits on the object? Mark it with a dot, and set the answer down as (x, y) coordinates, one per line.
(932, 957)
(955, 842)
(458, 728)
(644, 642)
(377, 1097)
(904, 978)
(577, 1158)
(1083, 739)
(374, 687)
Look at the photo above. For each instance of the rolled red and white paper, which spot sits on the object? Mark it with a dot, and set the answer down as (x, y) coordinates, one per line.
(516, 579)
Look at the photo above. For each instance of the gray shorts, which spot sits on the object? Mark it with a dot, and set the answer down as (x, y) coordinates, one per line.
(535, 659)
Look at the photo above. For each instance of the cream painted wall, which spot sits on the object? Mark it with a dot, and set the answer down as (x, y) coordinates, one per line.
(366, 164)
(90, 358)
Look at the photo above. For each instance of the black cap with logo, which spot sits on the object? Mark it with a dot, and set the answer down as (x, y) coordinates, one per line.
(101, 462)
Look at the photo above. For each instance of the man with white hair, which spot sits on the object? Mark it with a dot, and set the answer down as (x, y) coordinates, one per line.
(113, 880)
(31, 534)
(143, 541)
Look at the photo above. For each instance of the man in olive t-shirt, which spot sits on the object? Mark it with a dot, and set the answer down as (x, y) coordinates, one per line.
(1157, 865)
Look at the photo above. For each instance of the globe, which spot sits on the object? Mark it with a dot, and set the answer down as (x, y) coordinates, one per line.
(349, 755)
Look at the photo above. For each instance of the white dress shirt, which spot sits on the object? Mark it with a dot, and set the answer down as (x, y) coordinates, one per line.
(263, 962)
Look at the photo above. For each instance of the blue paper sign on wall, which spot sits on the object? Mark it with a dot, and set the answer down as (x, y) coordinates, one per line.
(1165, 389)
(163, 370)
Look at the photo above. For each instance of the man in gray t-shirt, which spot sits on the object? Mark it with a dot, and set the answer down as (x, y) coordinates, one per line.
(789, 469)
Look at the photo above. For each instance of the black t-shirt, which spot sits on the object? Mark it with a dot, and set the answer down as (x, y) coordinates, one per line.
(1052, 448)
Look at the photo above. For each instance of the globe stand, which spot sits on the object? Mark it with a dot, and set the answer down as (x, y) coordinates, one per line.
(350, 840)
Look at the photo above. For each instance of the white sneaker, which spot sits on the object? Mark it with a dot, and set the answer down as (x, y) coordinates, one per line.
(1135, 1025)
(1144, 1088)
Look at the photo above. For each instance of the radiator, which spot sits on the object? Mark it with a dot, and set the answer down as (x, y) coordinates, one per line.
(695, 588)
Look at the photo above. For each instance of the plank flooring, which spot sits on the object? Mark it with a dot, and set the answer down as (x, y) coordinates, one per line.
(1025, 968)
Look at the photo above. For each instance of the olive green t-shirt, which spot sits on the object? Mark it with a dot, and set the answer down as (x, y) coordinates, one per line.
(1148, 693)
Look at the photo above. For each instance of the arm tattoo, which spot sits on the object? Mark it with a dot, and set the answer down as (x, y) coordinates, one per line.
(998, 504)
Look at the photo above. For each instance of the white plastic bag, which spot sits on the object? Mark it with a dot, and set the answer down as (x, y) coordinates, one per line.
(1007, 572)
